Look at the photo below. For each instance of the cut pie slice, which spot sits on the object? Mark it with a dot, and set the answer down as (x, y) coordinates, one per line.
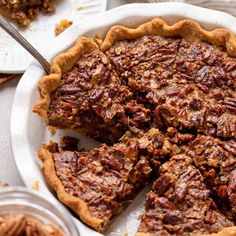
(216, 159)
(180, 204)
(98, 184)
(24, 11)
(85, 93)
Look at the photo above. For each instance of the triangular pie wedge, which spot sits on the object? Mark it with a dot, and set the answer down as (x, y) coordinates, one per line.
(84, 93)
(98, 184)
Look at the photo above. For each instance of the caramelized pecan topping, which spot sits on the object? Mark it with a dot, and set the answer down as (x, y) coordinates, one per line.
(108, 178)
(216, 160)
(180, 203)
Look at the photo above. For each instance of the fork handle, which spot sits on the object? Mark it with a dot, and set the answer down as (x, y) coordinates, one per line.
(24, 43)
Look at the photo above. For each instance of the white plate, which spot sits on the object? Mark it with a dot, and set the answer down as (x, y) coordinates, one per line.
(28, 132)
(15, 59)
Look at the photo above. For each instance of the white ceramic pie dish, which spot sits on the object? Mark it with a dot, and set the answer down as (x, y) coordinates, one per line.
(28, 131)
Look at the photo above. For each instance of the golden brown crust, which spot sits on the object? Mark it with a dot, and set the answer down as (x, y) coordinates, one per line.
(61, 64)
(187, 29)
(77, 205)
(229, 231)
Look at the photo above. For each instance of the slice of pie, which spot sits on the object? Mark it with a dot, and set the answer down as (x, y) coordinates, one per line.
(216, 160)
(24, 11)
(89, 96)
(100, 183)
(180, 204)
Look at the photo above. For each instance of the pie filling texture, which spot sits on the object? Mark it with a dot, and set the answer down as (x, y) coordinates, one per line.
(216, 161)
(24, 11)
(149, 81)
(107, 178)
(177, 100)
(180, 203)
(92, 97)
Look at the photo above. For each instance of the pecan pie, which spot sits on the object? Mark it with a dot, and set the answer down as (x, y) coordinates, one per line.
(24, 11)
(98, 184)
(180, 203)
(180, 79)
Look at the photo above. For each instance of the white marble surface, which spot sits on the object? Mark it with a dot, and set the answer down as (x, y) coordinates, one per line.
(8, 170)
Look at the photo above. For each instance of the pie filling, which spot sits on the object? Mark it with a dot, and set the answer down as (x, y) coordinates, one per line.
(180, 203)
(108, 178)
(24, 11)
(146, 82)
(93, 98)
(187, 85)
(216, 161)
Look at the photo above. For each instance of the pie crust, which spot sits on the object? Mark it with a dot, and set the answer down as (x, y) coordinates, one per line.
(61, 64)
(187, 29)
(64, 62)
(76, 204)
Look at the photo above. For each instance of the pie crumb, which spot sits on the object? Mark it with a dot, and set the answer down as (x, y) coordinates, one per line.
(35, 185)
(80, 7)
(63, 25)
(126, 234)
(52, 130)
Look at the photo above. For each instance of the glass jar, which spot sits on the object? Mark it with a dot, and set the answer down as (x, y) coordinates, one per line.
(18, 200)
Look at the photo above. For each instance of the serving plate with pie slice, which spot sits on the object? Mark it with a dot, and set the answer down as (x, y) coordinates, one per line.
(41, 30)
(28, 132)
